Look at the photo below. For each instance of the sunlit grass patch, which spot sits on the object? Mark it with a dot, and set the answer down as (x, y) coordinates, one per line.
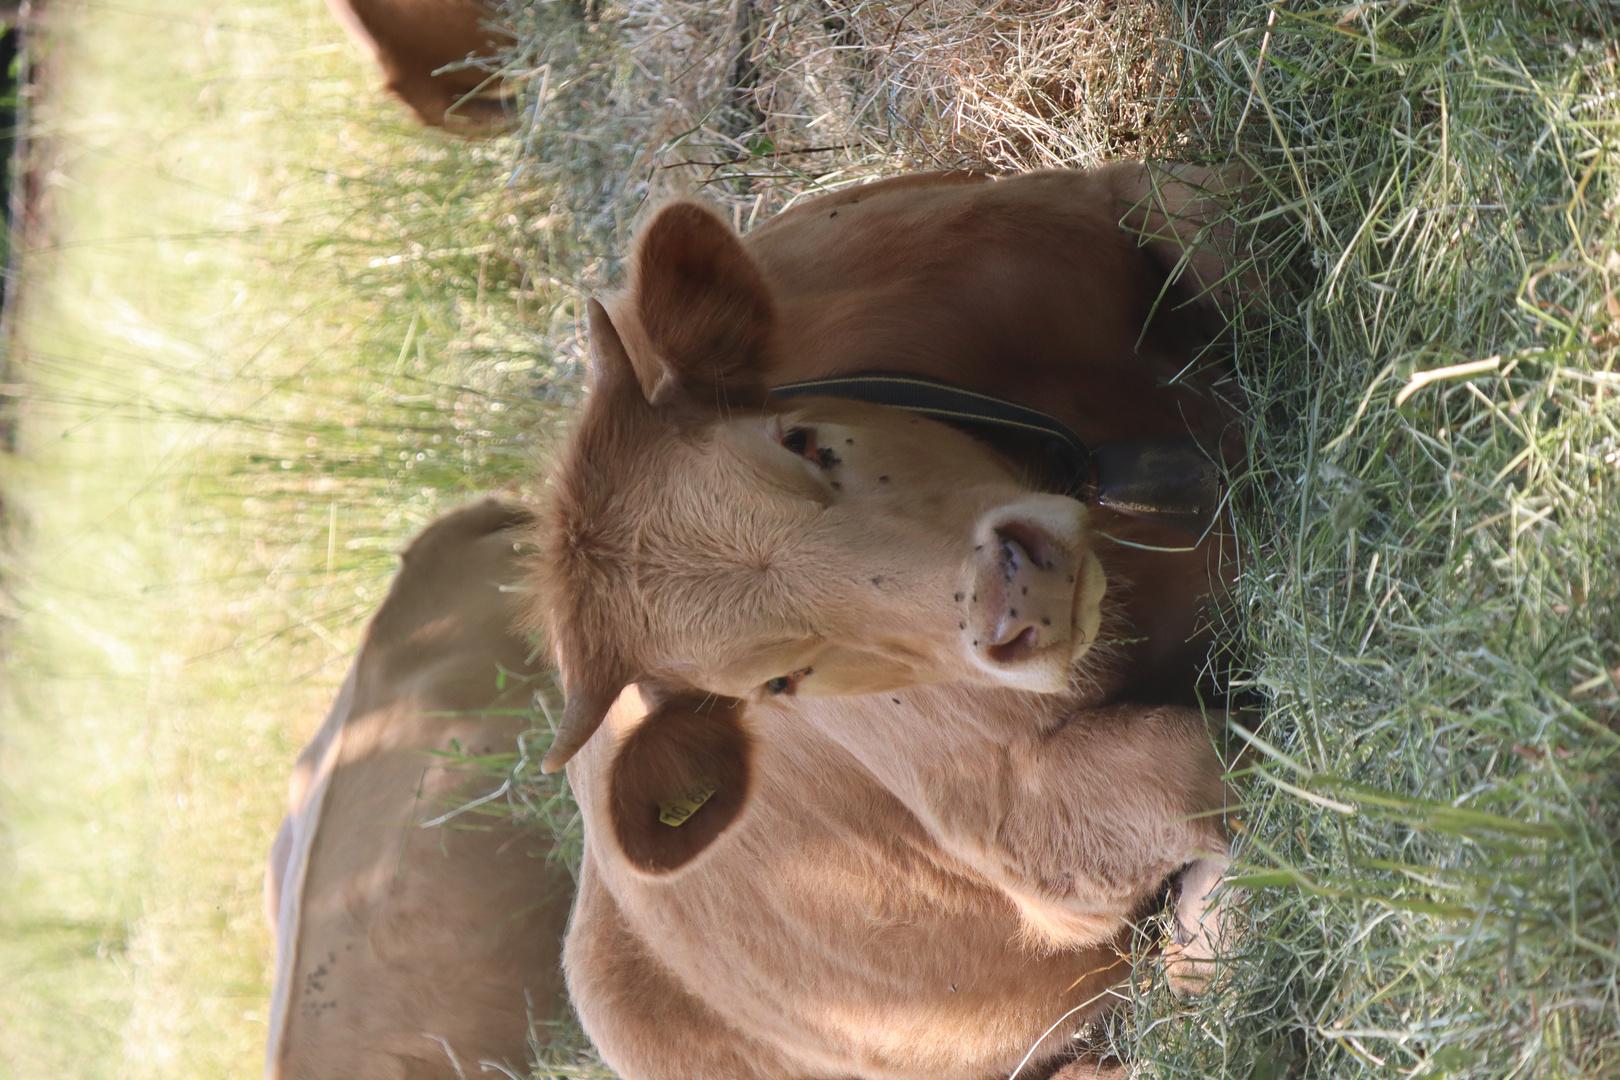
(275, 327)
(1430, 607)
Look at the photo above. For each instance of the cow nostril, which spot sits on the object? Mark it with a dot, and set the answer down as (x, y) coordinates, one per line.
(1012, 559)
(1021, 542)
(1009, 652)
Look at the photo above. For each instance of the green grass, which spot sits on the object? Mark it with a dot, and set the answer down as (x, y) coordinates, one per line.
(1430, 606)
(273, 328)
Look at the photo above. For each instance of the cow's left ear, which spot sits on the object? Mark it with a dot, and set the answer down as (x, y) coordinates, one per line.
(705, 308)
(679, 780)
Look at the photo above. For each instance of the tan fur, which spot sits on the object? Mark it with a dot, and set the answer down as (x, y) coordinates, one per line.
(832, 930)
(412, 39)
(403, 951)
(928, 865)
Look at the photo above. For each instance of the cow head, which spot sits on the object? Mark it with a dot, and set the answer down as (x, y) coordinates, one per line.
(704, 539)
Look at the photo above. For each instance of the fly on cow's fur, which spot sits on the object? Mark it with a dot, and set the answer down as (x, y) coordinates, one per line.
(937, 884)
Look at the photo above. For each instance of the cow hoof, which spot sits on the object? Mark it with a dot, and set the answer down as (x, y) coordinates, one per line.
(1189, 958)
(1188, 975)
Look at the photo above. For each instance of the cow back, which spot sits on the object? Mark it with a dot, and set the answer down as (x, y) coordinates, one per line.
(403, 950)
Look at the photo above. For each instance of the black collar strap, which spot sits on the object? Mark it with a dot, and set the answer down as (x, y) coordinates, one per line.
(1168, 480)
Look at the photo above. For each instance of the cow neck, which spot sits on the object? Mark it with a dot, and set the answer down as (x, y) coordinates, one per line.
(1168, 480)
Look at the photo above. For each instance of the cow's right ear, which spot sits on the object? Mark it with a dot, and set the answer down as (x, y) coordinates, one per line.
(679, 780)
(705, 308)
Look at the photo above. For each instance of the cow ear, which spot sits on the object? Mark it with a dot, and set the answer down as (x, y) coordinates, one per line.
(679, 781)
(619, 405)
(705, 308)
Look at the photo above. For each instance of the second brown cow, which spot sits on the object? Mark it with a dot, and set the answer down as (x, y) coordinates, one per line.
(413, 940)
(897, 740)
(412, 40)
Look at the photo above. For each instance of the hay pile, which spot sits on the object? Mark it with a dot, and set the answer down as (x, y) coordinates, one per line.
(756, 103)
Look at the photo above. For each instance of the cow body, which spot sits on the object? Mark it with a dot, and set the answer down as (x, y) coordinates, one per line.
(412, 39)
(404, 951)
(829, 931)
(921, 721)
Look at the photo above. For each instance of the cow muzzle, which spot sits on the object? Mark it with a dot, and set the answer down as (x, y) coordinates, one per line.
(1033, 598)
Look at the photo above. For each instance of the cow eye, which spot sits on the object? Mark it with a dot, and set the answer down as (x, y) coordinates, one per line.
(801, 441)
(786, 684)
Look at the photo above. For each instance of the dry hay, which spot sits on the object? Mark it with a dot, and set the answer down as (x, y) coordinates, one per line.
(758, 102)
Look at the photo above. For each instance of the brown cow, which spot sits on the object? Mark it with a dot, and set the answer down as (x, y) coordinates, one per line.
(404, 951)
(904, 752)
(411, 40)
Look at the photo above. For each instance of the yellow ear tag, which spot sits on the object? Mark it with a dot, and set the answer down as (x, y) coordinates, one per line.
(679, 809)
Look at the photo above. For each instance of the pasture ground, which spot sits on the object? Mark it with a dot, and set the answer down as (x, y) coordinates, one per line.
(269, 328)
(273, 329)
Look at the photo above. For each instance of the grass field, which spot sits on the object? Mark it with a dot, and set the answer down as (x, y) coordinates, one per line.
(271, 328)
(274, 329)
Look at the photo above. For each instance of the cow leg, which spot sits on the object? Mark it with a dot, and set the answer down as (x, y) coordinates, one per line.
(1093, 1069)
(1110, 805)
